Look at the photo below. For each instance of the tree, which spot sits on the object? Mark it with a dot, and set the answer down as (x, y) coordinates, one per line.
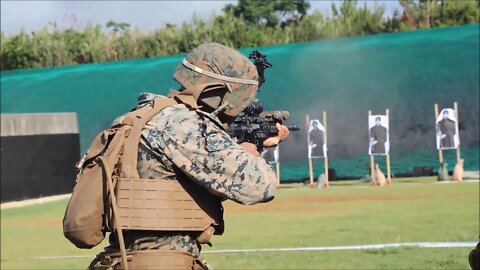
(116, 27)
(249, 23)
(269, 13)
(438, 13)
(349, 19)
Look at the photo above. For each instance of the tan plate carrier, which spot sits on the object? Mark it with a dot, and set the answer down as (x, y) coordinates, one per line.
(154, 204)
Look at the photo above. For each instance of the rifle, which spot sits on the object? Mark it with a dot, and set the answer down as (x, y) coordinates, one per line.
(254, 125)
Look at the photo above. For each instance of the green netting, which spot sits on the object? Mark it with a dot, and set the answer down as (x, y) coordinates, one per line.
(405, 72)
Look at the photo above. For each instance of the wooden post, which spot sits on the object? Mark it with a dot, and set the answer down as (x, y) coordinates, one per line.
(440, 153)
(372, 171)
(372, 160)
(455, 106)
(310, 170)
(277, 165)
(325, 159)
(307, 123)
(310, 166)
(389, 178)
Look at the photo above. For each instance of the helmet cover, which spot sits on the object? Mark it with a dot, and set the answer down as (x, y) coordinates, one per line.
(219, 77)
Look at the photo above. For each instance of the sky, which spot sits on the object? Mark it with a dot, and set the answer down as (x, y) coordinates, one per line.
(146, 15)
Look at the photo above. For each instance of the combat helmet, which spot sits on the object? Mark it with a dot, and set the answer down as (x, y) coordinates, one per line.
(217, 77)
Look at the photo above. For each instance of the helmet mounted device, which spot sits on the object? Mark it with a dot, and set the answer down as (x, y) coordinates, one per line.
(261, 64)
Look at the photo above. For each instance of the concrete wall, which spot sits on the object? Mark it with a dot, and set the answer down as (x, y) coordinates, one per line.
(38, 154)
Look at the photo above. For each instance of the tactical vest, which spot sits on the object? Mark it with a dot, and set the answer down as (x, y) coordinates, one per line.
(110, 196)
(157, 204)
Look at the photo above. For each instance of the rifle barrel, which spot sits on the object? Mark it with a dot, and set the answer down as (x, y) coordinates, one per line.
(293, 128)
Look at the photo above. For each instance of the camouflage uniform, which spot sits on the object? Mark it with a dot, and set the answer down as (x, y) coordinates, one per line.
(184, 142)
(196, 143)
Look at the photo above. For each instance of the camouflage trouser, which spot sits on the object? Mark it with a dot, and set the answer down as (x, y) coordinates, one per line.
(149, 259)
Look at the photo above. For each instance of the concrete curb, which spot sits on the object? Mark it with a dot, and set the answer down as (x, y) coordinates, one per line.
(17, 204)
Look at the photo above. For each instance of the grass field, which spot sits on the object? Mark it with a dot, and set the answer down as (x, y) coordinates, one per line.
(348, 213)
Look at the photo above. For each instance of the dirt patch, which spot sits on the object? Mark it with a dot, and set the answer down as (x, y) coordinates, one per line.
(363, 198)
(461, 194)
(309, 203)
(46, 223)
(304, 204)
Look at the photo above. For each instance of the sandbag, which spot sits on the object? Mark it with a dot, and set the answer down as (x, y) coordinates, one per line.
(458, 171)
(379, 176)
(443, 172)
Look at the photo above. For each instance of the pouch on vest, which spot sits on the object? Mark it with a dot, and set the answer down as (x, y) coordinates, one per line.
(83, 223)
(110, 164)
(88, 212)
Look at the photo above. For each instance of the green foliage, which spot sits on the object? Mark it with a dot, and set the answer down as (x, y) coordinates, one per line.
(350, 20)
(269, 13)
(116, 27)
(17, 52)
(248, 23)
(439, 13)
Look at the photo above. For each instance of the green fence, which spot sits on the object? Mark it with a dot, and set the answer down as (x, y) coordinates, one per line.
(406, 72)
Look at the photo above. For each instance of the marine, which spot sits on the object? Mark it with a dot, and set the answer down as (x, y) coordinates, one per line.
(188, 142)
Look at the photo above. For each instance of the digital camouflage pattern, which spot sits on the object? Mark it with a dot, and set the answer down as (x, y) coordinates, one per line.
(197, 143)
(183, 142)
(223, 60)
